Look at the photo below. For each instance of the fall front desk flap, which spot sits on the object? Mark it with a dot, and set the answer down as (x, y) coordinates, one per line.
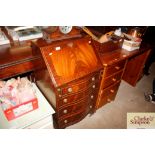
(69, 60)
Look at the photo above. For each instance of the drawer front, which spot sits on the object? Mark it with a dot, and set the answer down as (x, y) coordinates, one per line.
(71, 119)
(111, 80)
(19, 69)
(87, 103)
(65, 122)
(79, 85)
(73, 108)
(87, 95)
(106, 99)
(110, 90)
(114, 68)
(108, 95)
(73, 98)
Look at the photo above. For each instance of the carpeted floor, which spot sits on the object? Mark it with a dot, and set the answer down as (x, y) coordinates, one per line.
(129, 99)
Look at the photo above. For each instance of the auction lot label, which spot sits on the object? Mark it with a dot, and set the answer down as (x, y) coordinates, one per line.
(140, 120)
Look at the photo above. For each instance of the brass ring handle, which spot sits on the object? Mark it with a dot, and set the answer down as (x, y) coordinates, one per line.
(69, 90)
(109, 100)
(65, 111)
(92, 96)
(112, 91)
(58, 89)
(93, 79)
(65, 121)
(117, 67)
(113, 79)
(65, 100)
(93, 86)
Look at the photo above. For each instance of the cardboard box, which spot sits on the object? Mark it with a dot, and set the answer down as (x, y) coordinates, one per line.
(21, 109)
(131, 45)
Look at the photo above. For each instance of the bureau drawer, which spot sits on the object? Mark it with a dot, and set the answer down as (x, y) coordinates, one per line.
(87, 103)
(111, 80)
(114, 68)
(73, 108)
(82, 84)
(87, 95)
(71, 119)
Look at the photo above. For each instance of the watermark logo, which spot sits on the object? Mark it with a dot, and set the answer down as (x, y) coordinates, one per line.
(141, 120)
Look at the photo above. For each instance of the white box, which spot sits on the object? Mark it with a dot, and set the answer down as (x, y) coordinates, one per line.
(46, 122)
(131, 45)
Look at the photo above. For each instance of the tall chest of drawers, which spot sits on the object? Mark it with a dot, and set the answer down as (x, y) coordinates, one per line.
(70, 78)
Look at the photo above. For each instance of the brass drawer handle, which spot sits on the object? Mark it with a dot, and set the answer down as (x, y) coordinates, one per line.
(117, 67)
(113, 79)
(65, 121)
(93, 78)
(58, 89)
(93, 86)
(92, 96)
(112, 91)
(70, 90)
(90, 106)
(65, 100)
(109, 100)
(65, 111)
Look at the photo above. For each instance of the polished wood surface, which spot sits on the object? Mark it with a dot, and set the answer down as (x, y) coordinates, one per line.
(107, 95)
(70, 62)
(107, 46)
(111, 79)
(17, 60)
(119, 64)
(134, 68)
(53, 33)
(74, 69)
(116, 55)
(81, 77)
(114, 68)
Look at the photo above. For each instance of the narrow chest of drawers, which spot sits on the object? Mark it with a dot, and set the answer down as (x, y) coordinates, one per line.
(111, 78)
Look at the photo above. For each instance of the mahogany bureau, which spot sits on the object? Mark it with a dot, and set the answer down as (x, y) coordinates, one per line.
(70, 78)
